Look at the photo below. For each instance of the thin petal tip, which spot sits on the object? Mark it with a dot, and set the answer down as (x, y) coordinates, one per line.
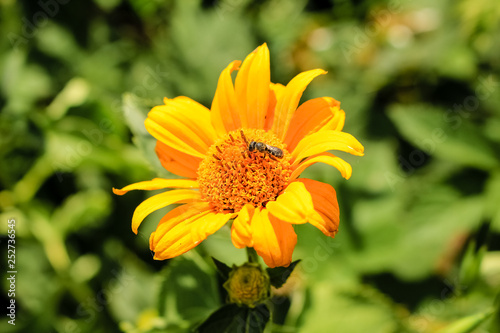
(235, 65)
(346, 175)
(360, 150)
(262, 47)
(118, 191)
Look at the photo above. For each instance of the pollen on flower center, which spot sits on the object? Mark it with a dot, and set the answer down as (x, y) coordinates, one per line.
(232, 175)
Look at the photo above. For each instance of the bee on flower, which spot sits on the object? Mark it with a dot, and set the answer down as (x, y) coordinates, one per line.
(257, 187)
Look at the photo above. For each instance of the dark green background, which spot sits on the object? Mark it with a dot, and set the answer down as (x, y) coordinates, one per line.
(419, 241)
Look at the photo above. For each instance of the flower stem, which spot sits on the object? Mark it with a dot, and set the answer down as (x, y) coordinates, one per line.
(252, 255)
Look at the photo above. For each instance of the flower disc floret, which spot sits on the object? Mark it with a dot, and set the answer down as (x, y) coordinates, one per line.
(231, 175)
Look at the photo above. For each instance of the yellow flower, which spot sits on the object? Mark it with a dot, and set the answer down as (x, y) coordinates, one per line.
(227, 179)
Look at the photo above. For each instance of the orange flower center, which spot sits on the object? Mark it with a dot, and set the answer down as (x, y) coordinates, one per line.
(243, 167)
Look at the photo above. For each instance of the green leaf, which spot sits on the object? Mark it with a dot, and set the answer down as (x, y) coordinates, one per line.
(471, 264)
(279, 275)
(233, 318)
(188, 290)
(421, 231)
(492, 192)
(353, 309)
(134, 277)
(444, 134)
(222, 268)
(135, 111)
(467, 324)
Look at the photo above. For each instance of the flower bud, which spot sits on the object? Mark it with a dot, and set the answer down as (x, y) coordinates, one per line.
(247, 284)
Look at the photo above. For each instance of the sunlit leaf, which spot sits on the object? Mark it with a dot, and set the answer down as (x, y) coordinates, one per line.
(445, 134)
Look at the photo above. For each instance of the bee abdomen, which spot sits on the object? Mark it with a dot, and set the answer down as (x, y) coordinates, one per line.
(275, 151)
(264, 148)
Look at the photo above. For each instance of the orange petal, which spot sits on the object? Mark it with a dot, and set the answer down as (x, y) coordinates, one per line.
(159, 201)
(320, 142)
(187, 234)
(274, 240)
(182, 124)
(224, 114)
(312, 116)
(241, 233)
(156, 184)
(327, 158)
(177, 162)
(276, 90)
(287, 104)
(252, 88)
(176, 216)
(325, 203)
(294, 206)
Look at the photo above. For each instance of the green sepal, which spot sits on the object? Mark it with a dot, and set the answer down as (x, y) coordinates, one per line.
(222, 268)
(279, 275)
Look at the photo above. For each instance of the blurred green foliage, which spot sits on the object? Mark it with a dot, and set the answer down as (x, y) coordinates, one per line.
(419, 244)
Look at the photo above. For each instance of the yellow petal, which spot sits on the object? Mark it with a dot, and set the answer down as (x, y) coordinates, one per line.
(325, 203)
(241, 233)
(187, 234)
(276, 90)
(294, 206)
(336, 123)
(327, 158)
(159, 201)
(176, 216)
(177, 162)
(224, 114)
(252, 88)
(156, 184)
(314, 115)
(320, 142)
(287, 104)
(182, 124)
(274, 240)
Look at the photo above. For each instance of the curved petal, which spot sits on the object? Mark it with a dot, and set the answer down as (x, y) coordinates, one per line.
(327, 158)
(224, 113)
(276, 90)
(159, 201)
(252, 88)
(337, 122)
(312, 116)
(287, 104)
(187, 234)
(176, 216)
(182, 124)
(274, 240)
(294, 206)
(320, 142)
(177, 162)
(241, 231)
(325, 203)
(156, 184)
